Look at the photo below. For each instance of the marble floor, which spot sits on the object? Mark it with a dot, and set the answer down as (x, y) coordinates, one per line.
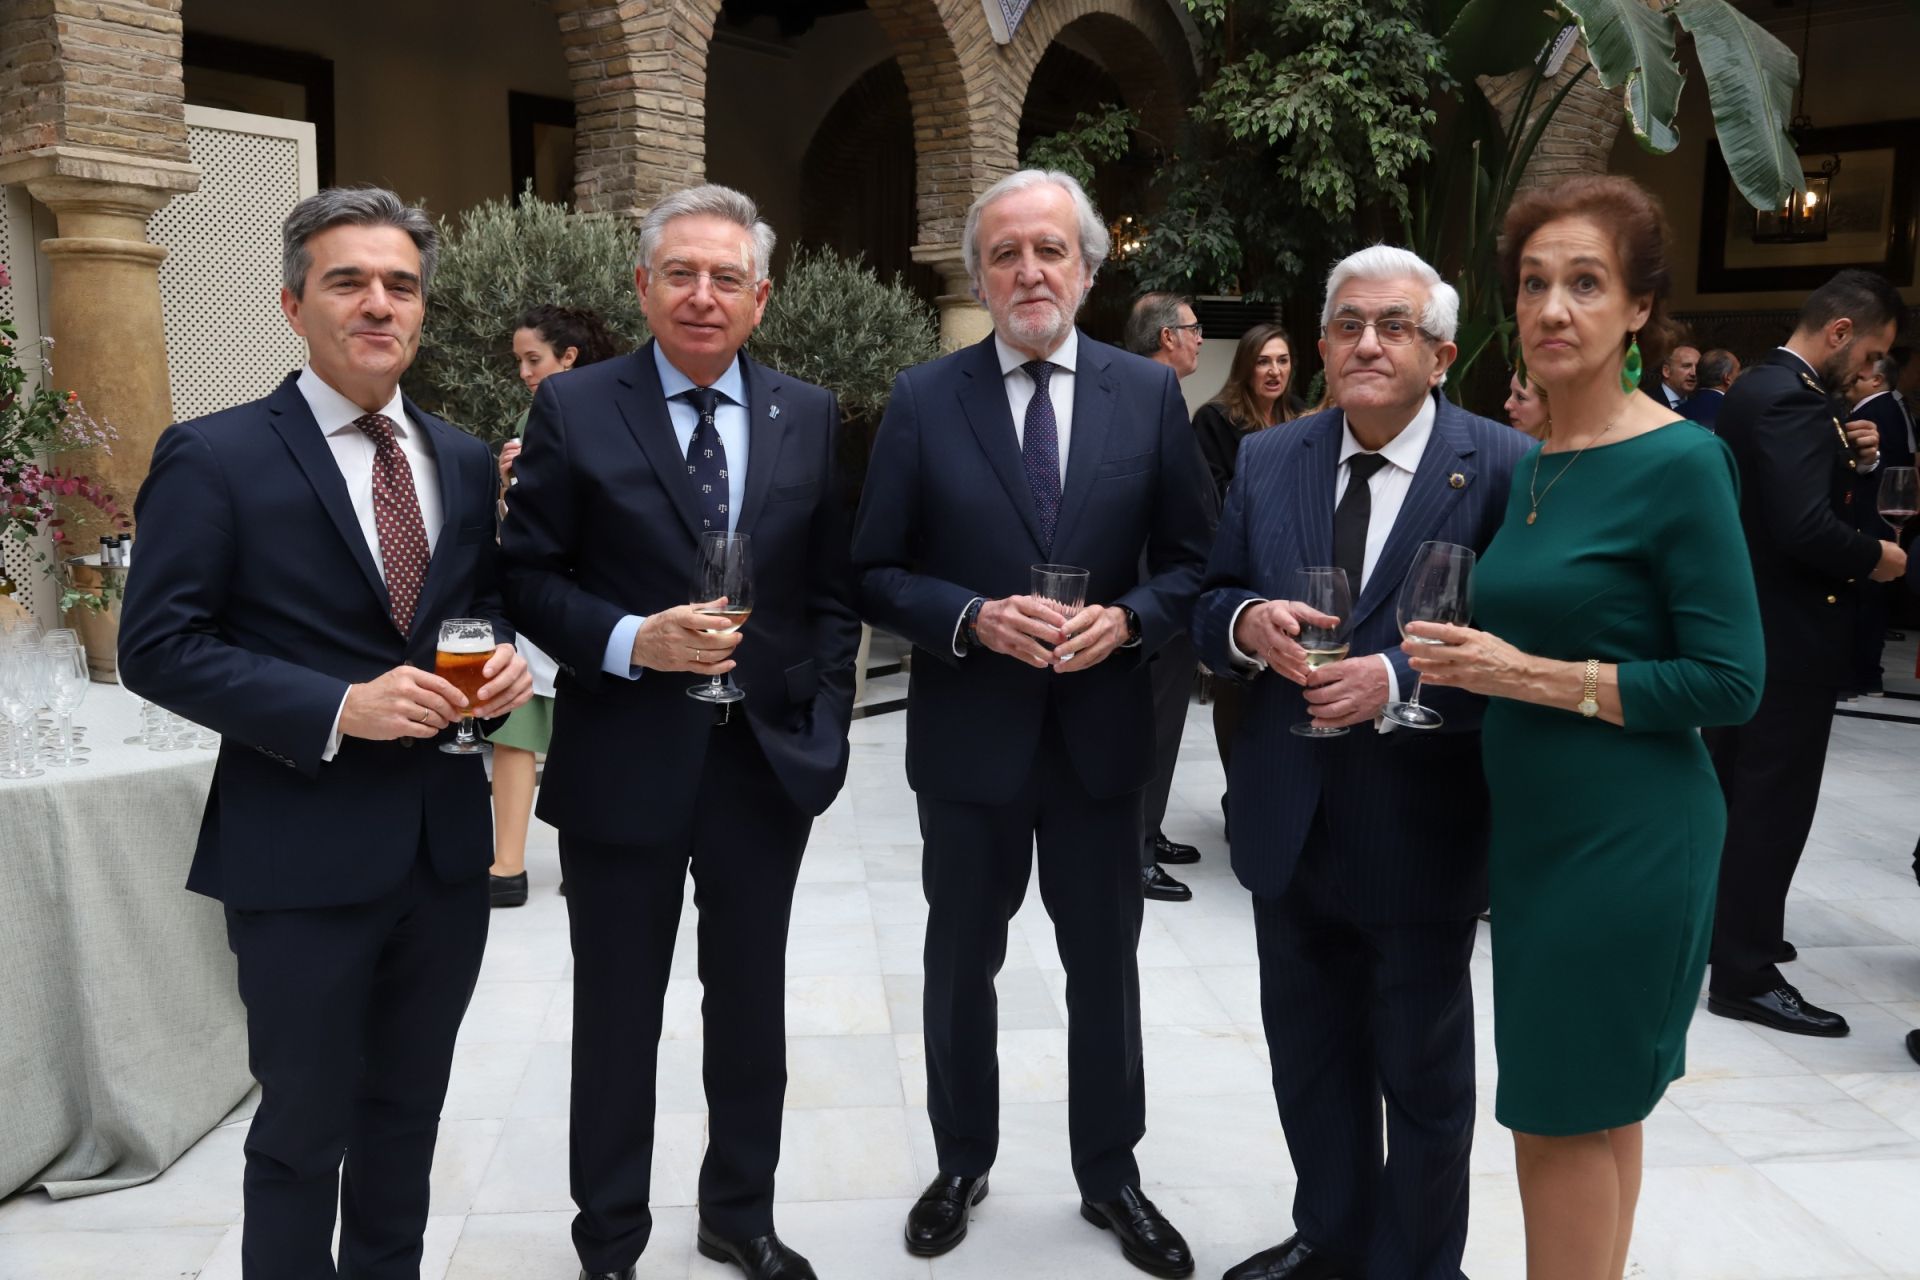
(1777, 1158)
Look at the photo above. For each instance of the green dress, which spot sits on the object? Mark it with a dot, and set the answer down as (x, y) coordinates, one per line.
(530, 727)
(1606, 839)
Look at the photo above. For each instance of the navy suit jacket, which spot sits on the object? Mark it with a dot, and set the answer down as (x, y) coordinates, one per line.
(947, 516)
(603, 523)
(255, 603)
(1406, 810)
(1702, 407)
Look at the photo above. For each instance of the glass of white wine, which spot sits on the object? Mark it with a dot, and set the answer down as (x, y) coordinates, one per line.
(724, 573)
(1323, 589)
(1438, 588)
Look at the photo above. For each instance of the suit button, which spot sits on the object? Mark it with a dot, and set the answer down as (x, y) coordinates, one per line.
(1833, 599)
(408, 742)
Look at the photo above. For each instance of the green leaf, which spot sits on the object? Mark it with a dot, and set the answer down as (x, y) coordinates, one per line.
(1493, 37)
(1750, 80)
(1632, 47)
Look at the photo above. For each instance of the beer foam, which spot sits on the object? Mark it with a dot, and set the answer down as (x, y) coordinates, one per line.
(466, 644)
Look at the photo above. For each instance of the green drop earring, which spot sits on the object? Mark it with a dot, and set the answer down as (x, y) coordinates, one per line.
(1631, 371)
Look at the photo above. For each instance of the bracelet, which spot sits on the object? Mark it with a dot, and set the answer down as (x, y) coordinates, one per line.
(1590, 689)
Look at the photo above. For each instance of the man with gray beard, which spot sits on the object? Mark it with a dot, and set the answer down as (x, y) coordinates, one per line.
(1028, 721)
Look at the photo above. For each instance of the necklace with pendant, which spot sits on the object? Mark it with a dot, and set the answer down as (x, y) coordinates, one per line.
(1536, 498)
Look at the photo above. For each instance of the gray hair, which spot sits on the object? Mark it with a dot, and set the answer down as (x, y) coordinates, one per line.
(1094, 240)
(1152, 314)
(352, 207)
(1441, 316)
(712, 201)
(1715, 370)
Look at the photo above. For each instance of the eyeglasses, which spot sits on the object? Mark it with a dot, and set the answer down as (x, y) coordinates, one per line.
(1176, 328)
(685, 279)
(1393, 331)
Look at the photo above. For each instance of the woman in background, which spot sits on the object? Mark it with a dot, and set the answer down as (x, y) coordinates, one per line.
(547, 340)
(1526, 406)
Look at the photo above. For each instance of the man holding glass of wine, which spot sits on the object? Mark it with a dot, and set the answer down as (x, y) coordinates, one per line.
(1363, 843)
(298, 556)
(643, 482)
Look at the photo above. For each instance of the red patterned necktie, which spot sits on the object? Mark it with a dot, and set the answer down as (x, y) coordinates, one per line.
(396, 518)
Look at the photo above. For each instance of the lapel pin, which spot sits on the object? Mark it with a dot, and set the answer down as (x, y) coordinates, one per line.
(1457, 480)
(773, 411)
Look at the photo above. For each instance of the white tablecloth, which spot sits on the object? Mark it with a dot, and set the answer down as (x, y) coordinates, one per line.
(122, 1036)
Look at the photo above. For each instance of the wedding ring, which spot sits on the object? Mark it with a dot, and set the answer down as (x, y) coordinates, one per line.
(425, 715)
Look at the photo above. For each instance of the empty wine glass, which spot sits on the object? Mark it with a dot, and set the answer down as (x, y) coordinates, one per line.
(1438, 588)
(23, 679)
(1899, 497)
(724, 573)
(1323, 589)
(67, 681)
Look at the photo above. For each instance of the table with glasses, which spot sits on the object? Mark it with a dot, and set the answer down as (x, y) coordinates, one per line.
(122, 1037)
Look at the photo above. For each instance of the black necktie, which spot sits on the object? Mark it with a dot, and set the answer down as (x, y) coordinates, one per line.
(1040, 451)
(707, 459)
(1351, 516)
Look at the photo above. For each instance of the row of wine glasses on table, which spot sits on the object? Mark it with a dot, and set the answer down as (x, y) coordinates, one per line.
(40, 671)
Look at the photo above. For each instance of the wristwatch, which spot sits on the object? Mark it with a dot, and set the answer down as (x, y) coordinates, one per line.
(969, 639)
(1133, 627)
(1590, 703)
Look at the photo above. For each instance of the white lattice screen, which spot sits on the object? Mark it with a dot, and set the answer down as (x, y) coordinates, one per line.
(20, 303)
(227, 341)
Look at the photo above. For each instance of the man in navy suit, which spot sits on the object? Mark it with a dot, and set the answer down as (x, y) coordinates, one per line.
(1713, 375)
(1366, 853)
(297, 556)
(1025, 720)
(1875, 400)
(627, 465)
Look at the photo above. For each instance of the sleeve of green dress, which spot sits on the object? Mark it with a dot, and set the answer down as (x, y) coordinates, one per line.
(1705, 580)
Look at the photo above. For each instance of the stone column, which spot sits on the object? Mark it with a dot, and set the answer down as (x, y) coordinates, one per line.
(963, 321)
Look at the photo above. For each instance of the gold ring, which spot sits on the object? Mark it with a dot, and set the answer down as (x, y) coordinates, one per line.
(425, 715)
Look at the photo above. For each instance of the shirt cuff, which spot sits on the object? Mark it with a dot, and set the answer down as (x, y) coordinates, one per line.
(333, 738)
(1380, 722)
(1233, 649)
(960, 622)
(618, 659)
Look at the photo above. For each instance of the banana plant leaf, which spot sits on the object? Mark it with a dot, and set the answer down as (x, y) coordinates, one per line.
(1632, 47)
(1493, 37)
(1750, 80)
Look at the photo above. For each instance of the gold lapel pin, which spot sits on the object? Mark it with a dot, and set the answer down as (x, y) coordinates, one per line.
(1457, 480)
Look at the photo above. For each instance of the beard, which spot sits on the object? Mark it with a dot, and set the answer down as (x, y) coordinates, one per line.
(1838, 370)
(1040, 328)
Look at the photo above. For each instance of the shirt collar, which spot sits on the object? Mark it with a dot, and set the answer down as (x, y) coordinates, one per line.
(672, 382)
(1404, 450)
(335, 413)
(1066, 355)
(1875, 396)
(1804, 364)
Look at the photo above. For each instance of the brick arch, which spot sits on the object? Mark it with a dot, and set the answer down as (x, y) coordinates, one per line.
(639, 75)
(1129, 37)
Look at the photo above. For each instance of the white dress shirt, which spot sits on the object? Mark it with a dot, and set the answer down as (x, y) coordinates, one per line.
(1387, 488)
(353, 451)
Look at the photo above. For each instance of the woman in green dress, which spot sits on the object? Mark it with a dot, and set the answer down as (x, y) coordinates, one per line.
(547, 340)
(1616, 617)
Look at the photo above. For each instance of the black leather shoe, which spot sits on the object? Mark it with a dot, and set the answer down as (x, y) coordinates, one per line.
(1161, 887)
(1147, 1239)
(1787, 954)
(1783, 1010)
(762, 1258)
(1172, 853)
(1291, 1259)
(628, 1274)
(1913, 1045)
(507, 891)
(938, 1220)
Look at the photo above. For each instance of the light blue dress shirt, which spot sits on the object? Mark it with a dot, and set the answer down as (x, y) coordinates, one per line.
(730, 420)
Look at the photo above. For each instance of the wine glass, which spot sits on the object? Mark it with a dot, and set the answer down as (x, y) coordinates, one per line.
(460, 659)
(1324, 590)
(23, 678)
(67, 681)
(1438, 588)
(1899, 497)
(724, 572)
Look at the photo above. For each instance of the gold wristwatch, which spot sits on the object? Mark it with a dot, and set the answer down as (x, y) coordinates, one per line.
(1590, 699)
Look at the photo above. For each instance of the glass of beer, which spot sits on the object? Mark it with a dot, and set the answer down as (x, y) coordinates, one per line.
(461, 660)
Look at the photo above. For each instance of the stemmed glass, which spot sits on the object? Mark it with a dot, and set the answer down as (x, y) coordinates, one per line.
(461, 660)
(1899, 497)
(1325, 590)
(23, 680)
(67, 680)
(1438, 588)
(724, 573)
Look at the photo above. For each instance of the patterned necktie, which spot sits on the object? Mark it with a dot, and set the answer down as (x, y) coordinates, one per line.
(707, 458)
(1040, 451)
(1351, 516)
(396, 519)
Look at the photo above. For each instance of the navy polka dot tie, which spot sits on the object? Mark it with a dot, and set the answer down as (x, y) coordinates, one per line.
(1040, 451)
(707, 459)
(396, 519)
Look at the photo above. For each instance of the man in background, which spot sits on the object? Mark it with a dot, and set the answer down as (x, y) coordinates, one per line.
(1713, 376)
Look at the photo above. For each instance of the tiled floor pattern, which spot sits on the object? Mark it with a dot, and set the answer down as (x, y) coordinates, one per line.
(1777, 1158)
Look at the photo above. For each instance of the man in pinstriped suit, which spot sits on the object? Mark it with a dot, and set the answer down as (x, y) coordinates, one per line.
(1366, 854)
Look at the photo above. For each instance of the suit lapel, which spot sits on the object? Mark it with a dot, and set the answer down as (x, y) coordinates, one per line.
(443, 439)
(1314, 479)
(1430, 497)
(1093, 398)
(288, 412)
(983, 398)
(643, 406)
(766, 429)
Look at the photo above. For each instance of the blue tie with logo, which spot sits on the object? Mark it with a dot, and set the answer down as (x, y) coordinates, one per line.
(1040, 451)
(707, 459)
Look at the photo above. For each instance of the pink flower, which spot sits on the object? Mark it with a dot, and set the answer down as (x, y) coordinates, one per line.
(5, 279)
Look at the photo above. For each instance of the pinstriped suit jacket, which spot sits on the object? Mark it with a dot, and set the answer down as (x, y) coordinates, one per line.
(1406, 811)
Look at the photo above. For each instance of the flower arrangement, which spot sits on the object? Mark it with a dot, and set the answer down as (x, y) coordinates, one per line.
(34, 424)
